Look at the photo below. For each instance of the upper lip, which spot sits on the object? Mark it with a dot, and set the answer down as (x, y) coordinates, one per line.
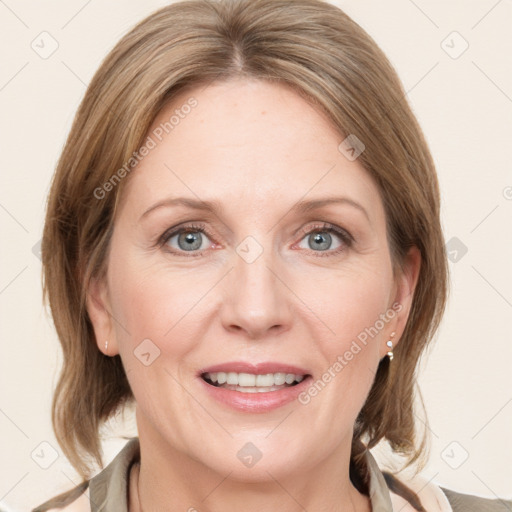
(255, 368)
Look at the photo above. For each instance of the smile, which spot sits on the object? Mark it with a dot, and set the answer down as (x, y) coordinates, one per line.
(252, 383)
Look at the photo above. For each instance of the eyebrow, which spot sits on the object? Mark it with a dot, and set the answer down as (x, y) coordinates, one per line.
(215, 206)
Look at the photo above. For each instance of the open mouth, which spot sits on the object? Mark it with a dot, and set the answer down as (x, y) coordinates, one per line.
(252, 383)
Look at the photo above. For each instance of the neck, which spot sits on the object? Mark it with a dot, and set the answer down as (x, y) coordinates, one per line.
(168, 479)
(357, 502)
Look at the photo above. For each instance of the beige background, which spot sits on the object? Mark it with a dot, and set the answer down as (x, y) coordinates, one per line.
(464, 105)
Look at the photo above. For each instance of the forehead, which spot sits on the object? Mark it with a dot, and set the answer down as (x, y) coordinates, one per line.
(245, 142)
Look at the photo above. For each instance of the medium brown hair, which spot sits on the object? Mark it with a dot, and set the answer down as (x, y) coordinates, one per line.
(309, 45)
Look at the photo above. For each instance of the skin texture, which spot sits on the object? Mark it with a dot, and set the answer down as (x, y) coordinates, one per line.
(258, 149)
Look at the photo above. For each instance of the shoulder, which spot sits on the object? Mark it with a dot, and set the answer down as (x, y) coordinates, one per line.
(413, 493)
(108, 487)
(428, 496)
(461, 502)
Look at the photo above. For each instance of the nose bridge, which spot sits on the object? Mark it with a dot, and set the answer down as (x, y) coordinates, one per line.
(252, 270)
(256, 299)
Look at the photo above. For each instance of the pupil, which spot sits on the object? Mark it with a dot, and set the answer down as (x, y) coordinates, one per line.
(192, 241)
(324, 241)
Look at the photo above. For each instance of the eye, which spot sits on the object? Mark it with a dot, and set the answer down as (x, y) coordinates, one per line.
(319, 238)
(186, 239)
(193, 239)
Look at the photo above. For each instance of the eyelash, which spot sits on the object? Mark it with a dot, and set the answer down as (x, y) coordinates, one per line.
(324, 227)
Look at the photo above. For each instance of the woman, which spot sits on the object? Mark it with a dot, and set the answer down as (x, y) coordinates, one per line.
(243, 239)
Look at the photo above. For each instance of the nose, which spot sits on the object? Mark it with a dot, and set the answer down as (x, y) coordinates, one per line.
(256, 298)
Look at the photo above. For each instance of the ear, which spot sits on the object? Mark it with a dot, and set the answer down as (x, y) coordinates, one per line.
(99, 310)
(405, 284)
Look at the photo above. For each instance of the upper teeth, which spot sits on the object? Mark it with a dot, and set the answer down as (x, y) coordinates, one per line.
(251, 380)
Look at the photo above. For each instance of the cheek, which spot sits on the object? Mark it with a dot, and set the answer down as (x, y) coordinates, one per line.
(154, 303)
(351, 301)
(156, 308)
(352, 304)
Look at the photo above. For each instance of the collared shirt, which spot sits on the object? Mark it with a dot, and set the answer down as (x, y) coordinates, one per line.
(108, 490)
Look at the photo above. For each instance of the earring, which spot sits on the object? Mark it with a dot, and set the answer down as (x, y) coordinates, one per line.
(106, 345)
(390, 345)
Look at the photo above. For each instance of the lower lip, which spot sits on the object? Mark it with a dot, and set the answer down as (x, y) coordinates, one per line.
(256, 402)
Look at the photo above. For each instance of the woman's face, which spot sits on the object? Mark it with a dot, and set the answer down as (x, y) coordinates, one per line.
(281, 280)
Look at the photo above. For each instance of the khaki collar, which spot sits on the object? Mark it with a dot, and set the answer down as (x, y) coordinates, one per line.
(430, 494)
